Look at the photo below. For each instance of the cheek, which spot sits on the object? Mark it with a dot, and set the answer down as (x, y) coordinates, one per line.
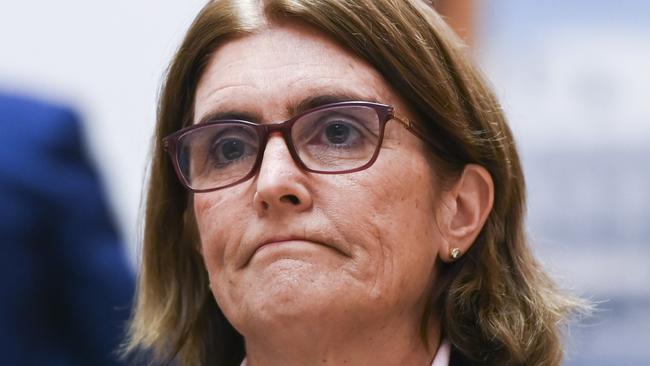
(211, 250)
(405, 220)
(391, 226)
(216, 216)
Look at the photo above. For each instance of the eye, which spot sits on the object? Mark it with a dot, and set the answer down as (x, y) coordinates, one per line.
(231, 147)
(340, 133)
(337, 132)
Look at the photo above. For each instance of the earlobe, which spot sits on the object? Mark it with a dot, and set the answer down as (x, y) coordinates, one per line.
(466, 208)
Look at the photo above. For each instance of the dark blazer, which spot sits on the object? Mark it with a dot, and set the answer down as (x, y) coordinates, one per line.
(456, 359)
(65, 285)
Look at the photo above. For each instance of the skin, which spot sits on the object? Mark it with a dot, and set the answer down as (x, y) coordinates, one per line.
(351, 284)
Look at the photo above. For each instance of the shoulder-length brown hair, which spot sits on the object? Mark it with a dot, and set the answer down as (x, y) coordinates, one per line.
(497, 305)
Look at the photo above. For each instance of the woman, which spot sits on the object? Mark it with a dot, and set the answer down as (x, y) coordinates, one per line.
(333, 183)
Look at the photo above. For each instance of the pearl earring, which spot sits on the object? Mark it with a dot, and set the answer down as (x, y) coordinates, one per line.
(454, 253)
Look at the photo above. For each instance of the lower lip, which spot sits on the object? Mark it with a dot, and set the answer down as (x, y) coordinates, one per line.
(287, 248)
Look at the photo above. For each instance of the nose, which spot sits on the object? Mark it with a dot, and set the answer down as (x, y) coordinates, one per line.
(281, 186)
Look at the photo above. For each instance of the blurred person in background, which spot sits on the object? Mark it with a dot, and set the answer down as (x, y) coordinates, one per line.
(65, 288)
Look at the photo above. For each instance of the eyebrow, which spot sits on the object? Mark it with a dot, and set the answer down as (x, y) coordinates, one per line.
(316, 101)
(310, 102)
(230, 115)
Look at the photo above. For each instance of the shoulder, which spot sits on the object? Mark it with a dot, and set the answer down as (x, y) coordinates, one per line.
(42, 149)
(19, 108)
(40, 122)
(35, 131)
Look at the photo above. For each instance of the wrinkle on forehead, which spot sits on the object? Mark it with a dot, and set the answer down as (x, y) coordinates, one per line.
(237, 75)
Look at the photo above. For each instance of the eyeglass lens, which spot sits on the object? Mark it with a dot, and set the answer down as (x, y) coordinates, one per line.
(333, 139)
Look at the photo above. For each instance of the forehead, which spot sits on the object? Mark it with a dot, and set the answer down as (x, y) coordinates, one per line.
(268, 73)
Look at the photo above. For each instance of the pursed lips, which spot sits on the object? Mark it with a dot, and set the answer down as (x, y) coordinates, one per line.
(284, 239)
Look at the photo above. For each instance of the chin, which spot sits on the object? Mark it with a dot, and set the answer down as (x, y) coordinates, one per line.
(288, 290)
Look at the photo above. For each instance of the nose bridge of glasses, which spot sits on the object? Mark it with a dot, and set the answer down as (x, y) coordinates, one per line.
(280, 130)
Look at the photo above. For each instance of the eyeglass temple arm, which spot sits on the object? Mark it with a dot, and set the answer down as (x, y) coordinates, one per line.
(413, 128)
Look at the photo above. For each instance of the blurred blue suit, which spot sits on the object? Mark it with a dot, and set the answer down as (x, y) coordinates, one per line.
(65, 286)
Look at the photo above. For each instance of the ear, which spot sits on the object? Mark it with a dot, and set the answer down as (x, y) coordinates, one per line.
(464, 209)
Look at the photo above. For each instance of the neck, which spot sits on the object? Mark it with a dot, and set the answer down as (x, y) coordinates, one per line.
(384, 344)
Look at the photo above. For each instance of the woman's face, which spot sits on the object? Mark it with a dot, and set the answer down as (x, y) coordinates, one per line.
(289, 247)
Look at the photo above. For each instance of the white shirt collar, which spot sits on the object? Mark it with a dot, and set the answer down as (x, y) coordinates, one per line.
(442, 356)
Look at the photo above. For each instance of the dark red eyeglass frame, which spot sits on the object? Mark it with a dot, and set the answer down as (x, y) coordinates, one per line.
(384, 112)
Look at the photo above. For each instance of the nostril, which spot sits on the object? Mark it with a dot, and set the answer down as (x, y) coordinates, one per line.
(290, 198)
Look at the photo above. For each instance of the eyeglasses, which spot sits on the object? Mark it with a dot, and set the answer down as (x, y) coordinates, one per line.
(335, 138)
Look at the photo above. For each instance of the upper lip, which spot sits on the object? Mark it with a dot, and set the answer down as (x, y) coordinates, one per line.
(277, 239)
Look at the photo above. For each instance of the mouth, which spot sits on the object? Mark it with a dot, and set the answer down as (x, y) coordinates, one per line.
(276, 243)
(290, 241)
(279, 241)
